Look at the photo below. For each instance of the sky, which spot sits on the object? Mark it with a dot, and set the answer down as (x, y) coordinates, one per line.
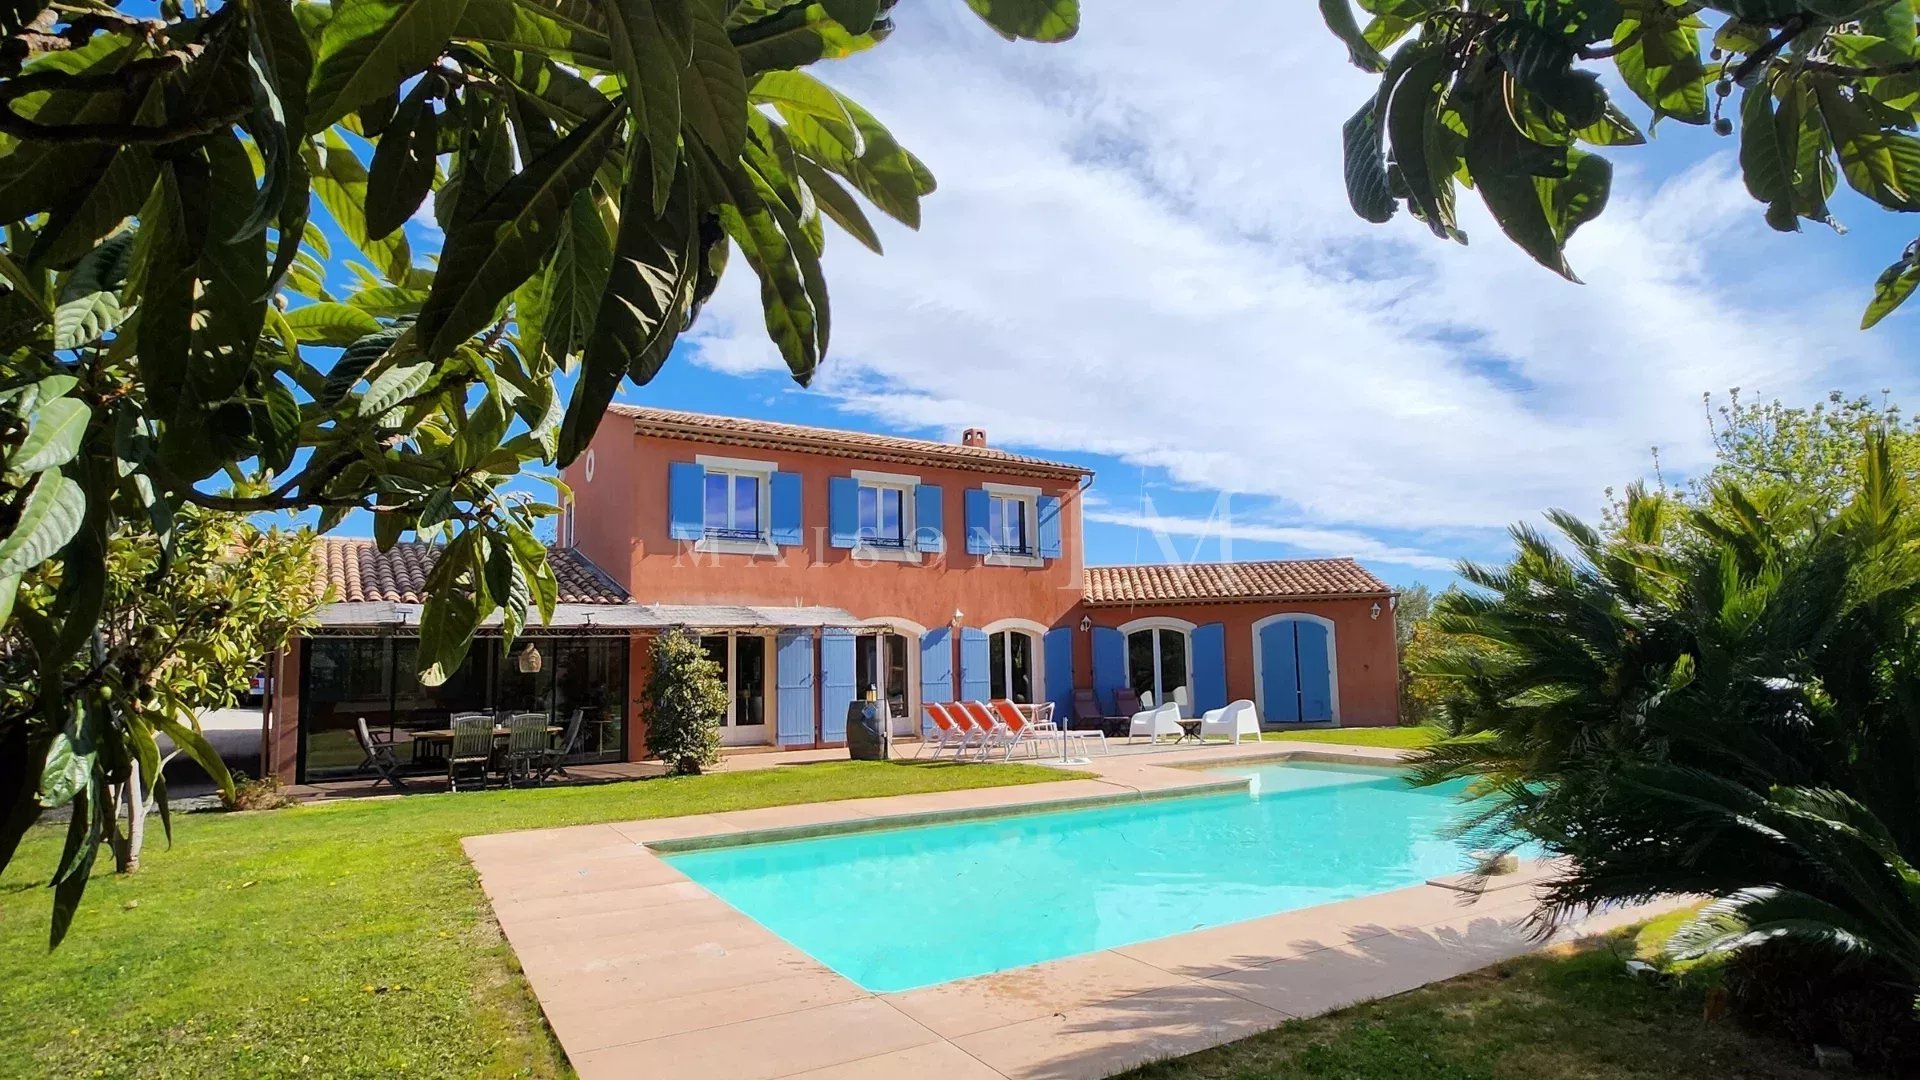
(1141, 258)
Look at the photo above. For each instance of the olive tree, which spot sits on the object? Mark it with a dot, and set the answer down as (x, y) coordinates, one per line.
(1503, 96)
(170, 334)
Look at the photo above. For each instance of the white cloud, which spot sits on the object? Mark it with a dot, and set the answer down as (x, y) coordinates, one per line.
(1141, 247)
(1167, 530)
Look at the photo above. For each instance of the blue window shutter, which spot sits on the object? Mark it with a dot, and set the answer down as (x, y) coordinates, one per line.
(976, 676)
(1109, 664)
(977, 541)
(785, 499)
(686, 500)
(843, 511)
(1279, 674)
(936, 670)
(929, 519)
(1049, 511)
(1059, 668)
(1316, 684)
(1209, 666)
(836, 682)
(793, 688)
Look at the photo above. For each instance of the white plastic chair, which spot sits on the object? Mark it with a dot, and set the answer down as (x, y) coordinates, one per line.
(1155, 722)
(1236, 719)
(1180, 698)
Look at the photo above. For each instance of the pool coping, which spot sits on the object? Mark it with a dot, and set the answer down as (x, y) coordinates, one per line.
(641, 972)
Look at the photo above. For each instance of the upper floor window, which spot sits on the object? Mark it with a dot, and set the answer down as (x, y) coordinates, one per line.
(1009, 519)
(733, 505)
(892, 517)
(1011, 525)
(883, 515)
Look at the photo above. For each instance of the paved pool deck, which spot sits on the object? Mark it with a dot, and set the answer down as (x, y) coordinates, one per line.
(643, 973)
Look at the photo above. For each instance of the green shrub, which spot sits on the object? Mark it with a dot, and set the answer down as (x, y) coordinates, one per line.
(683, 703)
(1788, 988)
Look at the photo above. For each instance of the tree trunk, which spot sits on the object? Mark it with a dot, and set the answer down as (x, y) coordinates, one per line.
(126, 846)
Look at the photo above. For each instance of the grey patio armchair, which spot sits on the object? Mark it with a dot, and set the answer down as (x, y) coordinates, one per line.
(527, 744)
(472, 748)
(552, 762)
(378, 746)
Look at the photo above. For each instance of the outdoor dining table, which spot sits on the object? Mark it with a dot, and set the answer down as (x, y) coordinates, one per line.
(434, 740)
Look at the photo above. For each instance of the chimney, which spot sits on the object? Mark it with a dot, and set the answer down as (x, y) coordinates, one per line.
(973, 436)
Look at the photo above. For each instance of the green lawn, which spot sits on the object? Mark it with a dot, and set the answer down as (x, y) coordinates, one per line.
(1400, 738)
(340, 940)
(1566, 1015)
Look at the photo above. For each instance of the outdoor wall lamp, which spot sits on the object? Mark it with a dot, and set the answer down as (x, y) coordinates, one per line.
(1086, 624)
(1374, 611)
(957, 616)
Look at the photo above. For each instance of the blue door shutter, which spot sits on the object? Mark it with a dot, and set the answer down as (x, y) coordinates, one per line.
(843, 511)
(836, 682)
(929, 519)
(785, 497)
(976, 678)
(1059, 650)
(1109, 664)
(1279, 674)
(686, 500)
(1209, 667)
(793, 700)
(1316, 684)
(977, 543)
(1048, 510)
(936, 670)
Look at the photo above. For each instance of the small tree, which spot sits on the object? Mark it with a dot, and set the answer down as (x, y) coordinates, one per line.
(685, 698)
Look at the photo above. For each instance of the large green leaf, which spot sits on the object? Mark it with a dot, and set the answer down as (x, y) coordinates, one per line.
(1412, 111)
(800, 92)
(837, 202)
(784, 299)
(639, 314)
(1660, 62)
(394, 386)
(575, 285)
(865, 155)
(1339, 19)
(1895, 284)
(49, 516)
(1882, 164)
(713, 92)
(1764, 163)
(53, 436)
(90, 299)
(486, 258)
(404, 161)
(1502, 162)
(331, 324)
(1366, 171)
(1033, 20)
(369, 47)
(655, 77)
(795, 36)
(340, 183)
(1578, 197)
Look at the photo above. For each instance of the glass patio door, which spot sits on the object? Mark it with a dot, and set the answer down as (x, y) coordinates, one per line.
(743, 666)
(880, 665)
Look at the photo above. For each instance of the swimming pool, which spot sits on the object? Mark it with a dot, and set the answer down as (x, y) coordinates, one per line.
(902, 908)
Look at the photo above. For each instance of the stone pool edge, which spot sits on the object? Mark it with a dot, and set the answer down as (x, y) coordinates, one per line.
(642, 972)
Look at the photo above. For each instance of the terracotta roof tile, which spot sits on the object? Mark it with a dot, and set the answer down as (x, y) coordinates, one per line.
(1277, 579)
(736, 431)
(360, 572)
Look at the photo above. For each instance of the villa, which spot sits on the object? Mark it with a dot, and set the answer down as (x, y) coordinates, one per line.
(821, 566)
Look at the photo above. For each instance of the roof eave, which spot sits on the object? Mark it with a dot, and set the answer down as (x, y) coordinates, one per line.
(828, 447)
(1270, 598)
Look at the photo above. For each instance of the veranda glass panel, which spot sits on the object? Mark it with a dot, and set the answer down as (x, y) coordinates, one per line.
(346, 678)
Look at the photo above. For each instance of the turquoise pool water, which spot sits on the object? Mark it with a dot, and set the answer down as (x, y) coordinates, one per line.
(903, 908)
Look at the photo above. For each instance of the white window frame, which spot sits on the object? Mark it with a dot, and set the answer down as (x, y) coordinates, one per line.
(729, 466)
(735, 734)
(1030, 496)
(908, 486)
(1162, 622)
